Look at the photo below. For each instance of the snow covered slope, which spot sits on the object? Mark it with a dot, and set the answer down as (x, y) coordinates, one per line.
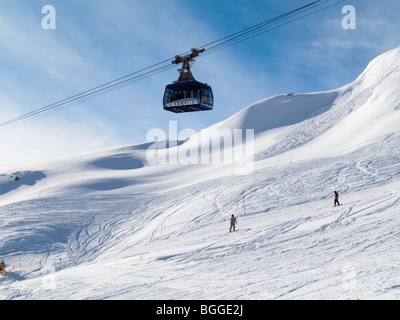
(112, 224)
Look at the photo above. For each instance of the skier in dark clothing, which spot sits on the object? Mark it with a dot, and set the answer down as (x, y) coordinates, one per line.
(233, 223)
(336, 199)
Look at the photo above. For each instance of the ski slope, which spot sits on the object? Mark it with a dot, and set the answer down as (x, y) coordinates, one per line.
(110, 225)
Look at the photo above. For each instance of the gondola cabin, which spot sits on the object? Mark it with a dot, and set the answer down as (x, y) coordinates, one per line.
(188, 97)
(186, 94)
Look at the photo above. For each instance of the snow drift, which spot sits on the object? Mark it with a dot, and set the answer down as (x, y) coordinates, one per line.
(162, 228)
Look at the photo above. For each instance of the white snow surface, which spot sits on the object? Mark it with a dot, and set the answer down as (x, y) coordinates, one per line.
(111, 225)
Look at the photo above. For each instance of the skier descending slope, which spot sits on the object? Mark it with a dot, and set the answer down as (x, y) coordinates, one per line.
(2, 265)
(233, 223)
(336, 202)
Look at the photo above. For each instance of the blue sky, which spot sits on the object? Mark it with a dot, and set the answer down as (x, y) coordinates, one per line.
(96, 41)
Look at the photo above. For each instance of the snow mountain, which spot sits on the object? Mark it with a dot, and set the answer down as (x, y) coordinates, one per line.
(157, 214)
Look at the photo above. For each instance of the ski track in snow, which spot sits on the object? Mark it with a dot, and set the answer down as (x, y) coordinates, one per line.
(117, 233)
(294, 246)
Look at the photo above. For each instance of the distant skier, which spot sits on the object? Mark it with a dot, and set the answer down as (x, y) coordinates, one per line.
(2, 265)
(233, 223)
(336, 199)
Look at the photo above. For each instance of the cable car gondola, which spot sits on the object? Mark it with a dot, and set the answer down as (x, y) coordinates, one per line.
(186, 94)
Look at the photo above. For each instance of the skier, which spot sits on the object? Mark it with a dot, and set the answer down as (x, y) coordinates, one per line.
(233, 223)
(2, 265)
(336, 199)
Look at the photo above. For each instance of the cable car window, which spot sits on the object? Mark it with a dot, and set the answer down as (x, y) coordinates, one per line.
(169, 95)
(206, 95)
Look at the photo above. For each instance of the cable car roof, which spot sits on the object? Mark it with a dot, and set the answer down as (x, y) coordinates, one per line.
(187, 84)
